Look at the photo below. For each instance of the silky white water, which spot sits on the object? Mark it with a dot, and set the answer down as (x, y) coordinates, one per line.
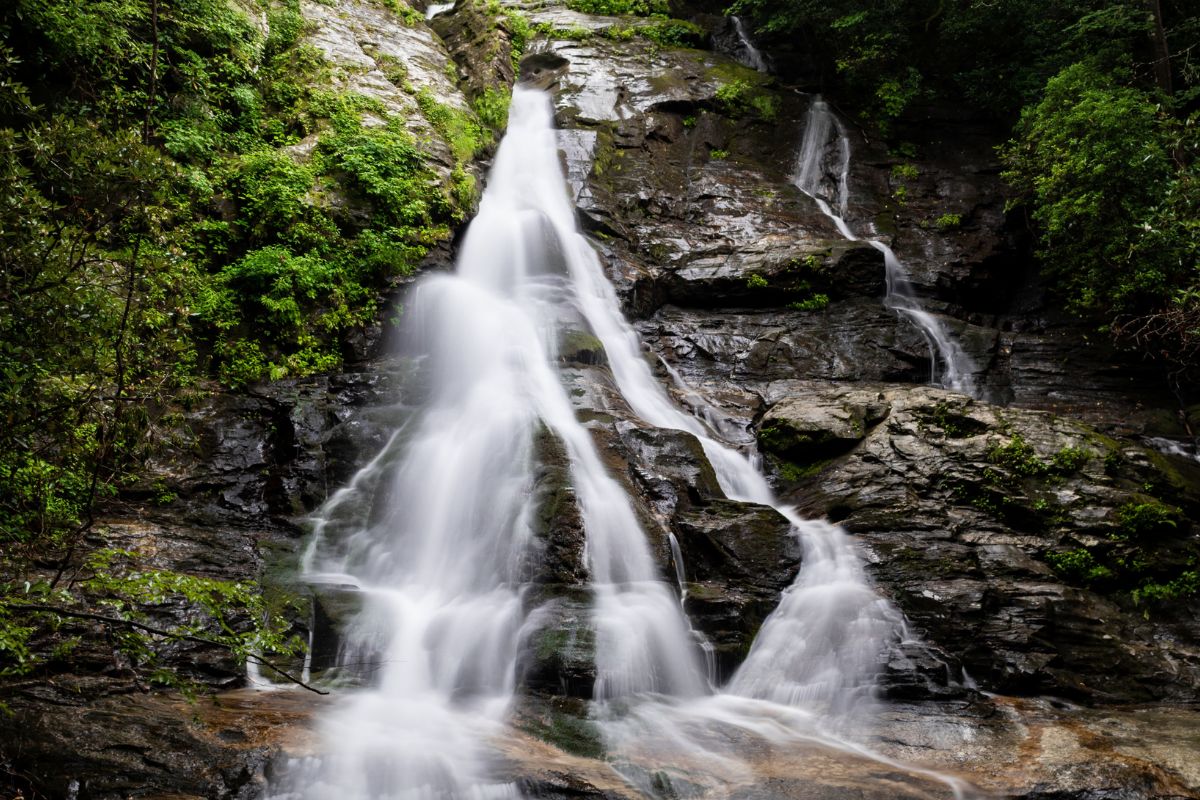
(750, 55)
(431, 542)
(811, 672)
(825, 141)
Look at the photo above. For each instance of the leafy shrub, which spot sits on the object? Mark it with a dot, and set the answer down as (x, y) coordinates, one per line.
(674, 33)
(462, 132)
(1140, 520)
(815, 303)
(1079, 565)
(611, 8)
(1018, 456)
(492, 108)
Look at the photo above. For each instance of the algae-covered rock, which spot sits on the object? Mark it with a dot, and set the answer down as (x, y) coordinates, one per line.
(805, 430)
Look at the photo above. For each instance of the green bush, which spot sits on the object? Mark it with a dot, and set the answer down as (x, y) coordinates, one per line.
(1079, 565)
(817, 302)
(638, 8)
(1146, 519)
(492, 108)
(674, 33)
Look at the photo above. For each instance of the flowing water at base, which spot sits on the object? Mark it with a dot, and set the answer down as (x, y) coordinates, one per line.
(429, 546)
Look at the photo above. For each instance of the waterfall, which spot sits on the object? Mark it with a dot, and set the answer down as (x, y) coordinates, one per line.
(434, 9)
(950, 367)
(437, 563)
(751, 56)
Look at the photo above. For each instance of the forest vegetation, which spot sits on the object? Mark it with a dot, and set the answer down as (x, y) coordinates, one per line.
(185, 204)
(1102, 100)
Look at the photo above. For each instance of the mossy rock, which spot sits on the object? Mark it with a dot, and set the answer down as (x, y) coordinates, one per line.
(562, 722)
(581, 347)
(802, 432)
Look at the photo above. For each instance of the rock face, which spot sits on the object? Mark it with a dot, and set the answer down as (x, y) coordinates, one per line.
(1033, 553)
(1007, 537)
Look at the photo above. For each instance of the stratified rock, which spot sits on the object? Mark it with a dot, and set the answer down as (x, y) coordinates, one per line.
(966, 511)
(807, 429)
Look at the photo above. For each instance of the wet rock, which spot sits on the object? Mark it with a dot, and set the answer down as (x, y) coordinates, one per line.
(799, 429)
(963, 509)
(377, 54)
(738, 558)
(480, 42)
(747, 350)
(558, 645)
(1039, 749)
(558, 654)
(152, 745)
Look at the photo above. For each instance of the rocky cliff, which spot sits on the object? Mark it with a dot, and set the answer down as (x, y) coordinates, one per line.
(1043, 554)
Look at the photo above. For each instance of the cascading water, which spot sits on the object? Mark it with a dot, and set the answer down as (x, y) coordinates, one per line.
(438, 562)
(750, 55)
(810, 673)
(950, 366)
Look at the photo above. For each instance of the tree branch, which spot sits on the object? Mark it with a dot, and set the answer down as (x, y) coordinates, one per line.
(161, 632)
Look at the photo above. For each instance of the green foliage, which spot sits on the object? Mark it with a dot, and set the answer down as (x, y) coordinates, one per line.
(718, 155)
(817, 302)
(638, 8)
(1111, 183)
(492, 108)
(766, 106)
(1071, 459)
(1092, 156)
(519, 33)
(734, 96)
(948, 222)
(460, 129)
(673, 33)
(1186, 585)
(1020, 458)
(154, 235)
(1147, 519)
(1079, 565)
(756, 281)
(113, 589)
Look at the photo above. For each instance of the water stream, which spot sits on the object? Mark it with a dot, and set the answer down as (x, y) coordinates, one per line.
(436, 564)
(434, 9)
(750, 55)
(822, 172)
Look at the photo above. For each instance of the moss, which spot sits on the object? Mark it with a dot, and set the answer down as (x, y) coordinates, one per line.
(582, 347)
(796, 473)
(460, 129)
(951, 422)
(567, 731)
